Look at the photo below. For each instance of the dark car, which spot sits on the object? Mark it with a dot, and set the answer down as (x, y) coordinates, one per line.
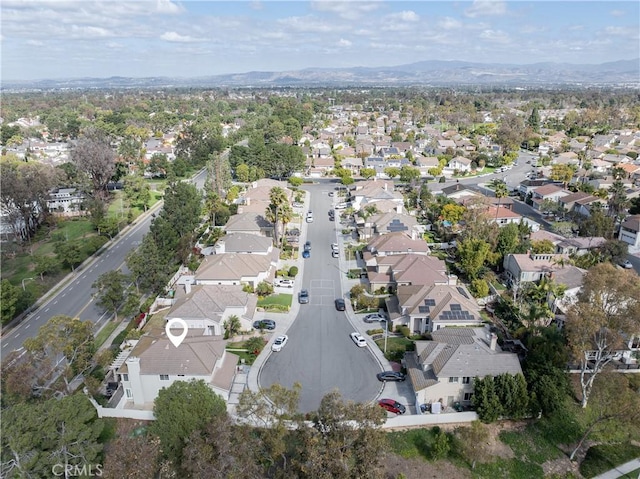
(303, 297)
(269, 324)
(340, 304)
(307, 246)
(391, 376)
(306, 254)
(392, 405)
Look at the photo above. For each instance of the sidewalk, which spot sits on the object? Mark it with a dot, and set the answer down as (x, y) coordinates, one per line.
(621, 470)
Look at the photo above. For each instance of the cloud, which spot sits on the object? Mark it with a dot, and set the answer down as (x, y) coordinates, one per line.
(405, 16)
(622, 32)
(617, 13)
(309, 24)
(87, 31)
(177, 38)
(481, 8)
(496, 36)
(35, 43)
(344, 43)
(346, 10)
(448, 23)
(167, 6)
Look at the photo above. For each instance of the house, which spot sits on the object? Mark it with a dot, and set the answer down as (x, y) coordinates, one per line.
(372, 191)
(521, 268)
(155, 363)
(630, 231)
(569, 202)
(460, 190)
(526, 187)
(502, 216)
(393, 243)
(406, 269)
(207, 307)
(243, 243)
(386, 223)
(430, 307)
(250, 223)
(583, 206)
(568, 246)
(237, 269)
(65, 201)
(443, 369)
(460, 164)
(549, 192)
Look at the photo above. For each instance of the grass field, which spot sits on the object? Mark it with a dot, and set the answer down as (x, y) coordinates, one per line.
(395, 347)
(607, 456)
(105, 332)
(282, 299)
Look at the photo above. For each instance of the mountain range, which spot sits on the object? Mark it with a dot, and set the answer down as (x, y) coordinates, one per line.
(424, 73)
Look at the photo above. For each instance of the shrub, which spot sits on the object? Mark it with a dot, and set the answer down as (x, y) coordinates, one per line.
(264, 289)
(440, 447)
(247, 288)
(293, 271)
(442, 180)
(404, 330)
(480, 288)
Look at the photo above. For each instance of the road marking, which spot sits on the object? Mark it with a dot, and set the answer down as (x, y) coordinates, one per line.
(46, 310)
(55, 302)
(27, 326)
(37, 317)
(5, 345)
(64, 294)
(17, 335)
(70, 288)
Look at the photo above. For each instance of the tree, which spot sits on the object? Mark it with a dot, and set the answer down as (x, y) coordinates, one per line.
(232, 326)
(367, 173)
(278, 203)
(409, 174)
(473, 441)
(561, 172)
(123, 454)
(533, 121)
(510, 133)
(614, 408)
(62, 336)
(137, 191)
(181, 409)
(441, 445)
(618, 200)
(500, 191)
(346, 440)
(93, 155)
(148, 270)
(223, 450)
(242, 173)
(69, 253)
(9, 295)
(452, 212)
(508, 239)
(113, 293)
(392, 171)
(605, 315)
(596, 224)
(24, 190)
(485, 399)
(38, 436)
(472, 254)
(45, 264)
(264, 289)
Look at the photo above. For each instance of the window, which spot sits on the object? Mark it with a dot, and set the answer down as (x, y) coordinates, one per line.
(128, 393)
(453, 380)
(466, 380)
(164, 377)
(467, 396)
(125, 377)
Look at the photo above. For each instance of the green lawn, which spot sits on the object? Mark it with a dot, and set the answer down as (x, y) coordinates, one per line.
(607, 456)
(282, 299)
(105, 332)
(396, 347)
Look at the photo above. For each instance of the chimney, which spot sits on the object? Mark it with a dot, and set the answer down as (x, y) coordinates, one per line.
(493, 342)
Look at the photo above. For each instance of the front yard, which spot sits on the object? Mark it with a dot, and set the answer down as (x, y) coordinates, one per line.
(276, 302)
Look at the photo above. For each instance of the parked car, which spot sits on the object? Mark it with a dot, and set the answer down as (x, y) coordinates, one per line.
(269, 324)
(626, 264)
(279, 343)
(285, 283)
(392, 405)
(335, 254)
(340, 304)
(385, 376)
(331, 193)
(307, 246)
(358, 339)
(303, 297)
(306, 254)
(309, 217)
(334, 246)
(373, 317)
(341, 206)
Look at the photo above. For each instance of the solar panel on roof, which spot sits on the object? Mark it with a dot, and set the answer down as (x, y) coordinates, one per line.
(462, 291)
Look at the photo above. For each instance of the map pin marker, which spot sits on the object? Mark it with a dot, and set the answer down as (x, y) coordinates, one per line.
(176, 340)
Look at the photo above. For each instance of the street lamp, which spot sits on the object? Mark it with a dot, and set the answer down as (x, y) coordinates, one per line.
(26, 279)
(386, 333)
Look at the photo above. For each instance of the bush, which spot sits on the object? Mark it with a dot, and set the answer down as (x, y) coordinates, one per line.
(404, 330)
(293, 271)
(480, 288)
(442, 180)
(264, 289)
(146, 306)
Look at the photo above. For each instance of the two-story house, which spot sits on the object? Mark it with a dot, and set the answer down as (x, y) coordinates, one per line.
(630, 232)
(443, 370)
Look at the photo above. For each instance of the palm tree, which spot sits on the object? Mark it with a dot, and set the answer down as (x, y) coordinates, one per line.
(274, 212)
(500, 191)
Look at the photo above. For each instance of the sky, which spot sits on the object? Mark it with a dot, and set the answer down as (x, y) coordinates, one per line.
(53, 39)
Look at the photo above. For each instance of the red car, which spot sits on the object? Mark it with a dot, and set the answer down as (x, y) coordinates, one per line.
(392, 405)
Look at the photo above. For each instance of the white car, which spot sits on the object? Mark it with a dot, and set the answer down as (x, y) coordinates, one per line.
(285, 283)
(309, 217)
(341, 206)
(334, 246)
(358, 340)
(626, 264)
(279, 343)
